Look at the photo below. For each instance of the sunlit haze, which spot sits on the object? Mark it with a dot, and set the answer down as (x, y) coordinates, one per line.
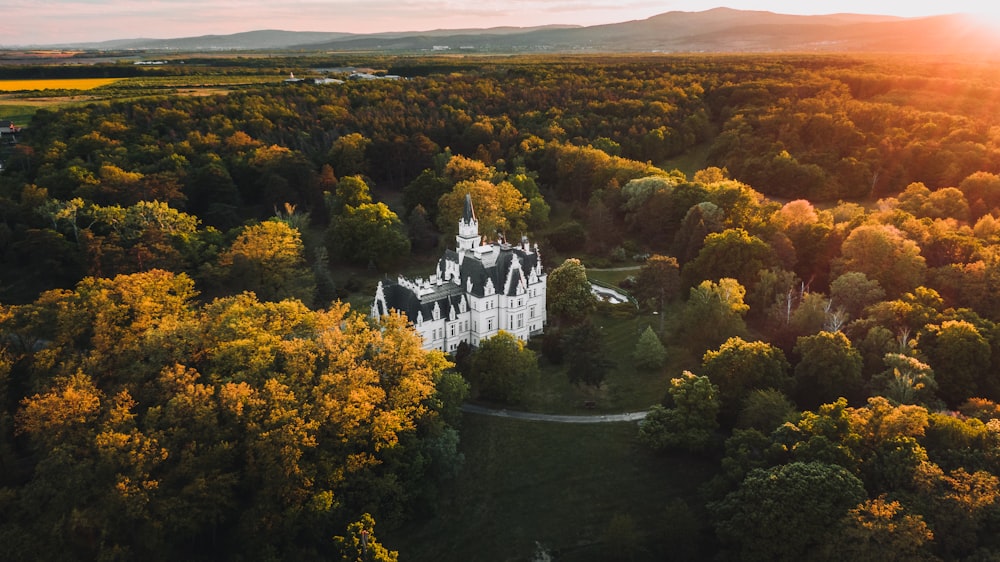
(41, 22)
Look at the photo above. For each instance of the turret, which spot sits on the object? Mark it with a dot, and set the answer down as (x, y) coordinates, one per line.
(468, 227)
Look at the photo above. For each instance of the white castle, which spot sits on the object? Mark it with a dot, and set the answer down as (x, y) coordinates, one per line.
(478, 289)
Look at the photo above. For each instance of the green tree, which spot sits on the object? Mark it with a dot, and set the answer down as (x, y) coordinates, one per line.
(585, 354)
(766, 409)
(369, 234)
(568, 294)
(649, 352)
(426, 190)
(350, 191)
(828, 367)
(906, 381)
(788, 512)
(884, 254)
(731, 253)
(690, 423)
(701, 220)
(713, 313)
(503, 368)
(739, 367)
(347, 155)
(960, 358)
(658, 282)
(854, 291)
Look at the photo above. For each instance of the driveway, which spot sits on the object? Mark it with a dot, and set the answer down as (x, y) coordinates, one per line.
(530, 416)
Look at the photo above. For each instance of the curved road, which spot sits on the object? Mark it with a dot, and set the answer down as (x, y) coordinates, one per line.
(529, 416)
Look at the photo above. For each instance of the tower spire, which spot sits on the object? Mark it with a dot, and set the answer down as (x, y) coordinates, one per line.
(469, 214)
(468, 227)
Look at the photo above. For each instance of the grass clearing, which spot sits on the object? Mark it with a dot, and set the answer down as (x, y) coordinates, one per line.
(693, 160)
(625, 389)
(613, 277)
(560, 486)
(20, 114)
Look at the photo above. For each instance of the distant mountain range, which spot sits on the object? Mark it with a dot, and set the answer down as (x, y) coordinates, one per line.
(718, 30)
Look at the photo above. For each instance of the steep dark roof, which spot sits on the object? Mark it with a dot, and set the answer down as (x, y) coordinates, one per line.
(495, 265)
(403, 299)
(468, 214)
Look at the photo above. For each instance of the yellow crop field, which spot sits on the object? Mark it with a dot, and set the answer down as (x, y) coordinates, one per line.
(55, 84)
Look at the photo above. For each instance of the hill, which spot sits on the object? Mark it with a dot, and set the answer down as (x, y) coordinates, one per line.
(717, 30)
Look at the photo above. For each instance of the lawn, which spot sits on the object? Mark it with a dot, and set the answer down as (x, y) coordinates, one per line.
(691, 161)
(560, 486)
(20, 114)
(626, 388)
(613, 276)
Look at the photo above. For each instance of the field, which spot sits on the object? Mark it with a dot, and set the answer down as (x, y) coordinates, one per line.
(55, 84)
(20, 99)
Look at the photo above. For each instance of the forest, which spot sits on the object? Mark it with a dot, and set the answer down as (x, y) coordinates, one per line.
(187, 369)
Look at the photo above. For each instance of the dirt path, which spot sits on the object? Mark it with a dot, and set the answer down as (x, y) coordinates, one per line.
(529, 416)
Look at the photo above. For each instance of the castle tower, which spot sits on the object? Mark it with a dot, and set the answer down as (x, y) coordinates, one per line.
(468, 227)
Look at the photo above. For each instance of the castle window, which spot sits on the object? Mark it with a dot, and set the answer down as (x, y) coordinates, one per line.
(531, 312)
(520, 321)
(489, 325)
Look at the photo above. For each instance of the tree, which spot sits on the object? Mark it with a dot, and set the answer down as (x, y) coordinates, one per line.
(649, 352)
(739, 367)
(982, 191)
(906, 381)
(568, 294)
(360, 545)
(690, 423)
(879, 529)
(585, 354)
(766, 409)
(884, 254)
(350, 191)
(267, 258)
(301, 418)
(713, 313)
(658, 282)
(731, 253)
(828, 368)
(422, 235)
(789, 512)
(369, 234)
(500, 208)
(425, 191)
(347, 155)
(701, 220)
(960, 358)
(855, 291)
(502, 368)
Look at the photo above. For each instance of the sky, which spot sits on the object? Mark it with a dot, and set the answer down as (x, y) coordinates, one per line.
(45, 22)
